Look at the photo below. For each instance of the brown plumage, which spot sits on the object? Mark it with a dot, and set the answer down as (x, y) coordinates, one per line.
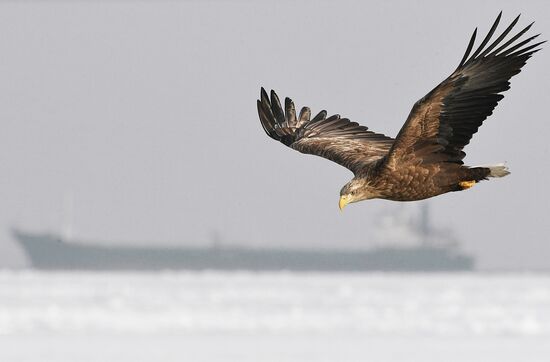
(425, 159)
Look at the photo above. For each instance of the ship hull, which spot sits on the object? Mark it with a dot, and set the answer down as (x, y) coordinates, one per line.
(47, 252)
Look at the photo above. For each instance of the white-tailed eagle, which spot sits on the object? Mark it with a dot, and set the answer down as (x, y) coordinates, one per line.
(425, 159)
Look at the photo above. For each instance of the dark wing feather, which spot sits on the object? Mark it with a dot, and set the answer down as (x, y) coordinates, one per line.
(443, 122)
(337, 139)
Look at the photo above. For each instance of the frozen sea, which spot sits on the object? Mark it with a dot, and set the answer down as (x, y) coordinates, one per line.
(215, 316)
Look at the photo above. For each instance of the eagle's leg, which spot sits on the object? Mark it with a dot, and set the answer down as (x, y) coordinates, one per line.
(466, 184)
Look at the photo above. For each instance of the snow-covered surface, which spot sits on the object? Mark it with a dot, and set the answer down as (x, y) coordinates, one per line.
(273, 317)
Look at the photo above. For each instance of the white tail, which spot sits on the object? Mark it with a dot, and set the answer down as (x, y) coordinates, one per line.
(498, 170)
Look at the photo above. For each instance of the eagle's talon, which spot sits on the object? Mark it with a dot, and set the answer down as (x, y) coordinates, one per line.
(466, 184)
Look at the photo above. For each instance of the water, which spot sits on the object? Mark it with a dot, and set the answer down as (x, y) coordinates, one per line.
(273, 317)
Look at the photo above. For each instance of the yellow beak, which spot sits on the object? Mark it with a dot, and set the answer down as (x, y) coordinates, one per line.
(344, 200)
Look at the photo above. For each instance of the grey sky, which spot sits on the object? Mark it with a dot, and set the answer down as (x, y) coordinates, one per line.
(146, 113)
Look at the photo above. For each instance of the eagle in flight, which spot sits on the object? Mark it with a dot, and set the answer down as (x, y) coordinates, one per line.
(425, 159)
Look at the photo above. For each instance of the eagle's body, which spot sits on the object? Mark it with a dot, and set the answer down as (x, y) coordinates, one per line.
(420, 182)
(425, 159)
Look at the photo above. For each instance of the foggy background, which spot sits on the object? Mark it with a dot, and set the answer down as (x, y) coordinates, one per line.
(144, 114)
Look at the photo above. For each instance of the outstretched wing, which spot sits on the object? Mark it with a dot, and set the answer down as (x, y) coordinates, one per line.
(443, 122)
(337, 139)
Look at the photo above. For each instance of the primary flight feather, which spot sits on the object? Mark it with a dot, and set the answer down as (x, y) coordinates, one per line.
(425, 159)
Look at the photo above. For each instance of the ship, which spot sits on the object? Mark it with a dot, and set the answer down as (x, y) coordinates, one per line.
(428, 250)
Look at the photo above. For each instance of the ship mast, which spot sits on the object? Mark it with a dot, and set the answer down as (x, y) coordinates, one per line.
(67, 217)
(424, 223)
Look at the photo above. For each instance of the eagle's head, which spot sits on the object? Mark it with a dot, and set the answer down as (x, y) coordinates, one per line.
(355, 190)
